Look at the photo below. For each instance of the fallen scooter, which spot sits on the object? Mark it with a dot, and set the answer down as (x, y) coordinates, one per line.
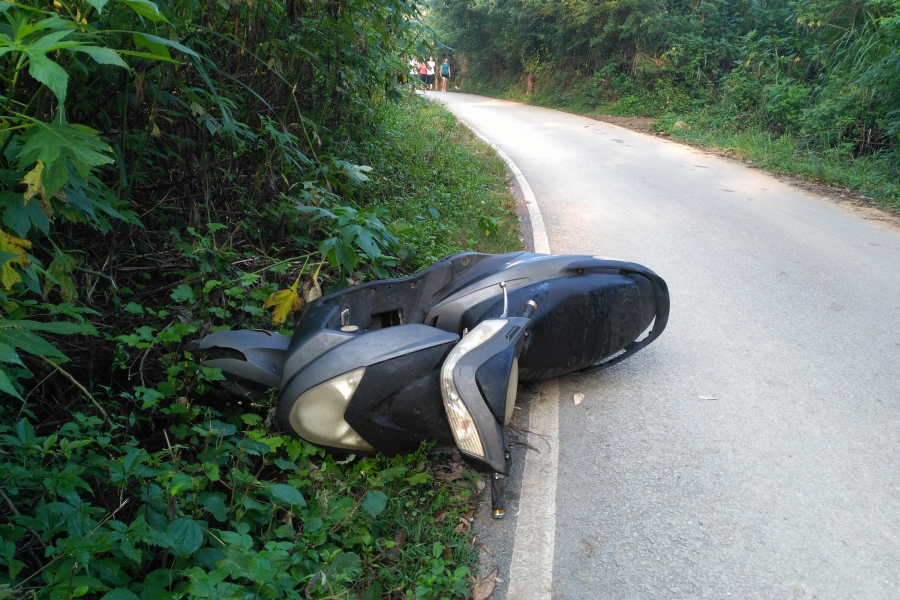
(386, 365)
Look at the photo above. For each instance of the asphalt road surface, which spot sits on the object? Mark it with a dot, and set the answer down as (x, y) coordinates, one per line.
(753, 451)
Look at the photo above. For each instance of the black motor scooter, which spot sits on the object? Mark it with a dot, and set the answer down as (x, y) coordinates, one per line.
(383, 366)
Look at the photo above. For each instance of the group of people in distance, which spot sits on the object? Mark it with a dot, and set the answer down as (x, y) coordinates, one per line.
(426, 72)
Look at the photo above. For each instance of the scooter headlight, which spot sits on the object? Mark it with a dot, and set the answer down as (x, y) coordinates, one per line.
(318, 414)
(461, 422)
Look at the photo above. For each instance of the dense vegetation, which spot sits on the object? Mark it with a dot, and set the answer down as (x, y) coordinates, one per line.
(818, 80)
(177, 167)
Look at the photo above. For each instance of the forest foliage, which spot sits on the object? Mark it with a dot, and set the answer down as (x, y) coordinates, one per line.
(824, 73)
(176, 167)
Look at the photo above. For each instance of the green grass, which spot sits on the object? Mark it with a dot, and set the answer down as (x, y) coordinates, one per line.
(448, 187)
(876, 176)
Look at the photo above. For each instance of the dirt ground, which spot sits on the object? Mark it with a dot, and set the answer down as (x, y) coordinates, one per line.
(866, 207)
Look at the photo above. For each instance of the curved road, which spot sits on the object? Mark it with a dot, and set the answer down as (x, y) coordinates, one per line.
(753, 451)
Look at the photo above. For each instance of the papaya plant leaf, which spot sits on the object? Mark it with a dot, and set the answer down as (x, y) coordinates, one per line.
(56, 140)
(285, 302)
(10, 244)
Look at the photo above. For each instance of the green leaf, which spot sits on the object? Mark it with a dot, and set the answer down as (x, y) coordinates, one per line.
(49, 73)
(186, 535)
(215, 505)
(120, 593)
(156, 48)
(29, 342)
(57, 140)
(6, 385)
(98, 4)
(285, 465)
(104, 56)
(9, 355)
(392, 473)
(146, 9)
(60, 327)
(134, 308)
(287, 494)
(181, 482)
(183, 293)
(418, 478)
(374, 503)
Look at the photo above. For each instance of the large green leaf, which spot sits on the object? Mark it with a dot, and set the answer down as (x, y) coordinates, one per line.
(120, 593)
(58, 140)
(6, 384)
(104, 56)
(29, 342)
(146, 9)
(282, 492)
(60, 327)
(374, 503)
(186, 536)
(9, 355)
(49, 73)
(98, 4)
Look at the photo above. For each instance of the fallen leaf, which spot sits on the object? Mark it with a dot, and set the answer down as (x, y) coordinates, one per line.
(311, 291)
(394, 552)
(707, 397)
(450, 472)
(285, 302)
(484, 588)
(578, 398)
(447, 554)
(441, 517)
(482, 546)
(463, 526)
(469, 514)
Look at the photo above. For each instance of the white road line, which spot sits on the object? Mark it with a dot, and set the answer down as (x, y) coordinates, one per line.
(531, 569)
(541, 243)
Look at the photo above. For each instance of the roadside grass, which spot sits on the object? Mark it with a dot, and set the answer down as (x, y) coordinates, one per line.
(877, 176)
(165, 497)
(448, 189)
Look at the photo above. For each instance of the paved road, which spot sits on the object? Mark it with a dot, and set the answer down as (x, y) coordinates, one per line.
(785, 310)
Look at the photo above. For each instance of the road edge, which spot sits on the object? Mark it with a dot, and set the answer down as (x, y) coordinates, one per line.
(531, 567)
(540, 241)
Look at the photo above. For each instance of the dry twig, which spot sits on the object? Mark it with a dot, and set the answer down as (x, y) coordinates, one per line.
(78, 385)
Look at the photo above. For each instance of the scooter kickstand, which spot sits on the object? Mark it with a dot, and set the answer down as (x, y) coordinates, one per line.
(498, 502)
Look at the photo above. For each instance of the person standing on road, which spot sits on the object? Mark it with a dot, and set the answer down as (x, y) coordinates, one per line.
(430, 72)
(413, 68)
(445, 74)
(423, 73)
